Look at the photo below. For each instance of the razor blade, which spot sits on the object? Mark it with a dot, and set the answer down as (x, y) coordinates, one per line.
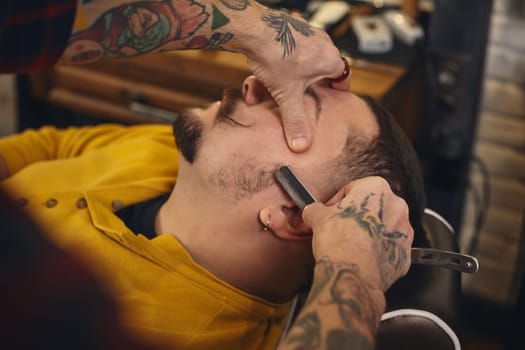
(423, 256)
(294, 187)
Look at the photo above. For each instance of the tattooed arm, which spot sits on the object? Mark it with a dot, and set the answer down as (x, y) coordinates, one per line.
(126, 28)
(342, 311)
(361, 243)
(284, 52)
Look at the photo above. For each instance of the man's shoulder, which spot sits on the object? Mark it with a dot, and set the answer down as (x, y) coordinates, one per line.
(114, 134)
(136, 129)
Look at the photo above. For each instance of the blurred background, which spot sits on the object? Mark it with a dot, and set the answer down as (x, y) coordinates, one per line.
(451, 71)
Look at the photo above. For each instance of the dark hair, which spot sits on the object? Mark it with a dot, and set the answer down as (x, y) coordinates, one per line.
(391, 156)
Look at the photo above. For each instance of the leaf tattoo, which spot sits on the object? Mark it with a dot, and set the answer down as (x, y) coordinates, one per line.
(281, 22)
(238, 5)
(387, 241)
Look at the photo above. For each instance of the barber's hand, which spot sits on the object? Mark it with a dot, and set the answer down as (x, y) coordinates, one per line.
(289, 64)
(365, 224)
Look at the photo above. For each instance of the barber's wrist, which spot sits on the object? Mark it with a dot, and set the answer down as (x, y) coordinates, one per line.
(377, 297)
(343, 274)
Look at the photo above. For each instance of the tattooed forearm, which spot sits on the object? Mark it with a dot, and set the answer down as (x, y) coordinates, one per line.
(347, 339)
(351, 296)
(218, 40)
(282, 22)
(307, 334)
(341, 311)
(219, 18)
(136, 28)
(238, 5)
(324, 271)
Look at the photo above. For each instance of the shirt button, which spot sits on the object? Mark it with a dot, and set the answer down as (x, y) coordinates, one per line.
(117, 204)
(22, 202)
(51, 202)
(81, 203)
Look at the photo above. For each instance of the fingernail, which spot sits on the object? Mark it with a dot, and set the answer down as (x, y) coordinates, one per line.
(299, 143)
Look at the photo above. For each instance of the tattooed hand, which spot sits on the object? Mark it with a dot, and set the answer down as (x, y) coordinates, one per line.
(284, 52)
(365, 224)
(361, 242)
(294, 56)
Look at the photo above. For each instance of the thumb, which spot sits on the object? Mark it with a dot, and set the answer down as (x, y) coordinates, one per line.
(313, 214)
(297, 128)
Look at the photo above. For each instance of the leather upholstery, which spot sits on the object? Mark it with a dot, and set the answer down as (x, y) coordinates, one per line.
(431, 289)
(415, 329)
(423, 308)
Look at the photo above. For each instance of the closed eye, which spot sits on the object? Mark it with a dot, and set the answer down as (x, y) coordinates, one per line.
(317, 100)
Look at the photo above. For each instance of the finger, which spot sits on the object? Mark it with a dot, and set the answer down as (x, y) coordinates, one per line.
(346, 190)
(342, 81)
(297, 15)
(369, 183)
(337, 197)
(296, 125)
(343, 85)
(312, 213)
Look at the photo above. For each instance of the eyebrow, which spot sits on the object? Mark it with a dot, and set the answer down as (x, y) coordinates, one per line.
(317, 100)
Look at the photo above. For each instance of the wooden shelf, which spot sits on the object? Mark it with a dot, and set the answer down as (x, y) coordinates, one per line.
(173, 81)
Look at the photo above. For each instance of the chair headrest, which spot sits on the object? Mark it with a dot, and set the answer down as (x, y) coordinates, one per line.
(415, 329)
(433, 289)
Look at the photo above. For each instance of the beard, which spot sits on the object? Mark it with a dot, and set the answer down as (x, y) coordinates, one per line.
(188, 128)
(238, 180)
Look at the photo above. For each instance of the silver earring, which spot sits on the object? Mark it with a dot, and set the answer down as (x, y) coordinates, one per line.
(268, 223)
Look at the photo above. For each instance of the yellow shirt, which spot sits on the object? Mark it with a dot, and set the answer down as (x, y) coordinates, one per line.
(71, 181)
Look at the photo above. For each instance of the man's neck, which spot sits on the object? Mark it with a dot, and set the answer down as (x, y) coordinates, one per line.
(228, 245)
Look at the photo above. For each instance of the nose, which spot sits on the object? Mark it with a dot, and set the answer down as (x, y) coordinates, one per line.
(254, 92)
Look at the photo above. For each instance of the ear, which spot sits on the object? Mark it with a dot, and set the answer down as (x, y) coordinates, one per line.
(285, 222)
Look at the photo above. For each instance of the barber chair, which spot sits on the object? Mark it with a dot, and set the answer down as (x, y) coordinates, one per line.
(423, 308)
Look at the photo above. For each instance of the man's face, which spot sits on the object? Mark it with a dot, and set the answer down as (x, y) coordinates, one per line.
(237, 144)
